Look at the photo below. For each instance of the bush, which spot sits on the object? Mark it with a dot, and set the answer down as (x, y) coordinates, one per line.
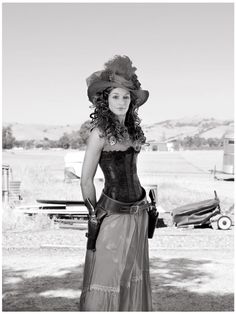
(8, 140)
(16, 221)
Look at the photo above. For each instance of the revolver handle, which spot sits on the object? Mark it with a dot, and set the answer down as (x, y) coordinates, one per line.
(152, 196)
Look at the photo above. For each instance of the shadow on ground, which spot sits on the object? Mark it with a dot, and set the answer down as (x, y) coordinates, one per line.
(42, 293)
(177, 283)
(171, 279)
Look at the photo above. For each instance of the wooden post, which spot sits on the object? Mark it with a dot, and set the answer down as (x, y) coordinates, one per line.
(5, 183)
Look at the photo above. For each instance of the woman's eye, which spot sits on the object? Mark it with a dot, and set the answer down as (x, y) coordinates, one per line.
(117, 97)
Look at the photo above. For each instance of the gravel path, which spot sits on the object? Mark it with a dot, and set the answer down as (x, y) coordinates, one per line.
(169, 238)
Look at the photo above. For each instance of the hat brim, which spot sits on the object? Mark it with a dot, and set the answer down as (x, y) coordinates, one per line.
(93, 89)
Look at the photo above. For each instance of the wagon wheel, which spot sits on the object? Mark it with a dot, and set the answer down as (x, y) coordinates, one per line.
(224, 223)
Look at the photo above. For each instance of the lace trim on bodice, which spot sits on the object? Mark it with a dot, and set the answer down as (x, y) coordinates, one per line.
(128, 150)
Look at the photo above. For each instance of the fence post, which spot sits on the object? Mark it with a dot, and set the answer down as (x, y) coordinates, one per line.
(5, 183)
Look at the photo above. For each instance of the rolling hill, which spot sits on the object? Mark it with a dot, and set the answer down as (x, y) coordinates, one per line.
(40, 131)
(180, 128)
(160, 131)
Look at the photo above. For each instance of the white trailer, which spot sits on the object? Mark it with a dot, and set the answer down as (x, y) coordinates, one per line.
(73, 166)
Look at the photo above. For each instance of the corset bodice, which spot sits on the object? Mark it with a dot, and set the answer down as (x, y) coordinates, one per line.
(120, 172)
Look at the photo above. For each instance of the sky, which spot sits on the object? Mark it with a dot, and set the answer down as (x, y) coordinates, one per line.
(183, 53)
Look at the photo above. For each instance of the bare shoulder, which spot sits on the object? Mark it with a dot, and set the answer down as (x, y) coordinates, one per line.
(96, 132)
(96, 139)
(94, 148)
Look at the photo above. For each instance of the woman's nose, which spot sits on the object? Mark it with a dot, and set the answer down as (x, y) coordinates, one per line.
(122, 101)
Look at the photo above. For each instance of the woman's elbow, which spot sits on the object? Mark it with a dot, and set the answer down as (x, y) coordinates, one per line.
(86, 182)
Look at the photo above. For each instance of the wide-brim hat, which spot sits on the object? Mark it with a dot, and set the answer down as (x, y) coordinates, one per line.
(110, 77)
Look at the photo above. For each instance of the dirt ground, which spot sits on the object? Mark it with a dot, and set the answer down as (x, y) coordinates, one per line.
(187, 273)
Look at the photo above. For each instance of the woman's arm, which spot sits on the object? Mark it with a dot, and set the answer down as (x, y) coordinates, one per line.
(94, 147)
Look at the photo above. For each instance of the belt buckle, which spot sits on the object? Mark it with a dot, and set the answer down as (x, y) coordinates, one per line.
(134, 209)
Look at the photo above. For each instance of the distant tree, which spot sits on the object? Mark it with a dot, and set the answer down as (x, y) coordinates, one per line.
(78, 139)
(84, 132)
(197, 141)
(214, 142)
(64, 141)
(204, 141)
(20, 143)
(53, 143)
(29, 144)
(8, 140)
(38, 144)
(187, 142)
(75, 140)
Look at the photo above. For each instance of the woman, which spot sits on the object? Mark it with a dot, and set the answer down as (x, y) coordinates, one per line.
(116, 275)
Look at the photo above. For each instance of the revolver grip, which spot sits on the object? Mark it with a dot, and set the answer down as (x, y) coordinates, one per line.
(152, 196)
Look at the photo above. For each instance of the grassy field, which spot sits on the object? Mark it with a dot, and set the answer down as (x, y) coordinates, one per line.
(182, 177)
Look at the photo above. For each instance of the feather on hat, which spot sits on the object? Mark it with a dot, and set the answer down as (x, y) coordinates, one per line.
(118, 72)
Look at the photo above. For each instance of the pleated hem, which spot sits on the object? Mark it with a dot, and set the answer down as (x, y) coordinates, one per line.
(132, 296)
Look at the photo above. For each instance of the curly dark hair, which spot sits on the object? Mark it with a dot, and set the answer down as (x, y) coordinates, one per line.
(107, 122)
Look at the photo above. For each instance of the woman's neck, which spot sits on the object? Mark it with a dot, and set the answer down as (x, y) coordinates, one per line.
(121, 120)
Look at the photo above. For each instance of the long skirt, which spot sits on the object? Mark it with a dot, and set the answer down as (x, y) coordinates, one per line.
(116, 275)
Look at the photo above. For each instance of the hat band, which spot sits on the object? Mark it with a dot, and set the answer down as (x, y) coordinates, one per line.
(121, 81)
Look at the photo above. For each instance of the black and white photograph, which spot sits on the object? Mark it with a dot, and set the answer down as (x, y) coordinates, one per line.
(117, 156)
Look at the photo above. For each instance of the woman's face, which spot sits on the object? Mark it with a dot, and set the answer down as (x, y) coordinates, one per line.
(118, 101)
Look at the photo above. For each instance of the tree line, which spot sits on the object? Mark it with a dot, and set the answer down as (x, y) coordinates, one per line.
(74, 140)
(199, 143)
(78, 140)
